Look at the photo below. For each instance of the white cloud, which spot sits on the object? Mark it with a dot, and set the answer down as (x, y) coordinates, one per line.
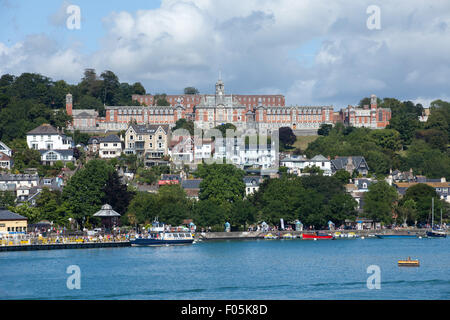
(186, 43)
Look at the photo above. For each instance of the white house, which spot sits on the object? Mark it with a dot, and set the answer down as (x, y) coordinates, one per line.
(110, 147)
(252, 184)
(51, 143)
(5, 149)
(296, 164)
(6, 161)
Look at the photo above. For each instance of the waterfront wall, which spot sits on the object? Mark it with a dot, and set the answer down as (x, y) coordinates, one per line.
(59, 246)
(260, 234)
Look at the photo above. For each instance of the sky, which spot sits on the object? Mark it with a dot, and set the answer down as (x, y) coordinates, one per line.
(313, 52)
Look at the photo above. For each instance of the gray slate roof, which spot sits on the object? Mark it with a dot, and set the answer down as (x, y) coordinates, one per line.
(341, 162)
(6, 215)
(191, 184)
(62, 152)
(110, 138)
(44, 129)
(148, 129)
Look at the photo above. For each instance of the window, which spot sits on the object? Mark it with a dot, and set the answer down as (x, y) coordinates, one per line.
(105, 145)
(115, 145)
(51, 156)
(131, 137)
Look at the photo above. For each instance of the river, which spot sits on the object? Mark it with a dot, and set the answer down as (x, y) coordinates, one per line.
(227, 270)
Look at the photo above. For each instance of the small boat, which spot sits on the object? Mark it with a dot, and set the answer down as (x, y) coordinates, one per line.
(408, 263)
(270, 236)
(396, 236)
(158, 236)
(317, 236)
(435, 233)
(288, 236)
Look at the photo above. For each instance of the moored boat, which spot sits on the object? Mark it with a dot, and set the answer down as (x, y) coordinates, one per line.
(435, 233)
(396, 236)
(158, 236)
(316, 236)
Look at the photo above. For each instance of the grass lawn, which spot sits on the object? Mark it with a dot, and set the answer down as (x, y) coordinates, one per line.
(302, 142)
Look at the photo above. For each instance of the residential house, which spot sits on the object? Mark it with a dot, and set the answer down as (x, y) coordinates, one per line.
(21, 184)
(203, 150)
(110, 147)
(181, 151)
(192, 188)
(357, 190)
(150, 142)
(252, 184)
(51, 143)
(6, 162)
(296, 164)
(5, 149)
(93, 145)
(350, 164)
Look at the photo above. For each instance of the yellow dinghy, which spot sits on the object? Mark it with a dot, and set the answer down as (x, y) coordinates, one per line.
(408, 263)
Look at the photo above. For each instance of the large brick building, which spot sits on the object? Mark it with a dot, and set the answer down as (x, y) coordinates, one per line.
(369, 117)
(260, 112)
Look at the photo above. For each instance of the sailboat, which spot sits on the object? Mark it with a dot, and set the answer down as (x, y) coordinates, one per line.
(439, 233)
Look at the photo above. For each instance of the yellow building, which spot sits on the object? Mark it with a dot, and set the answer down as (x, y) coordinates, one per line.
(12, 222)
(148, 141)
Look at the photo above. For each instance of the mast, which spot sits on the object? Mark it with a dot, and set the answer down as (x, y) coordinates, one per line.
(432, 213)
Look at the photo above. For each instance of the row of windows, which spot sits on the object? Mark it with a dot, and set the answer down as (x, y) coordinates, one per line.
(17, 229)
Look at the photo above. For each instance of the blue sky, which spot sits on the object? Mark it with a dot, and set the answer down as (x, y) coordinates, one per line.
(313, 52)
(23, 17)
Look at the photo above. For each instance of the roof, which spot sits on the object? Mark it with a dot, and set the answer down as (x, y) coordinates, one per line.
(148, 128)
(110, 138)
(252, 180)
(19, 177)
(431, 184)
(44, 129)
(341, 162)
(191, 184)
(93, 140)
(107, 211)
(6, 215)
(62, 152)
(319, 158)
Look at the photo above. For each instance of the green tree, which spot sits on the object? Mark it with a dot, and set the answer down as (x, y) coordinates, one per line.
(7, 199)
(379, 202)
(287, 137)
(222, 183)
(343, 176)
(84, 192)
(191, 90)
(421, 194)
(324, 129)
